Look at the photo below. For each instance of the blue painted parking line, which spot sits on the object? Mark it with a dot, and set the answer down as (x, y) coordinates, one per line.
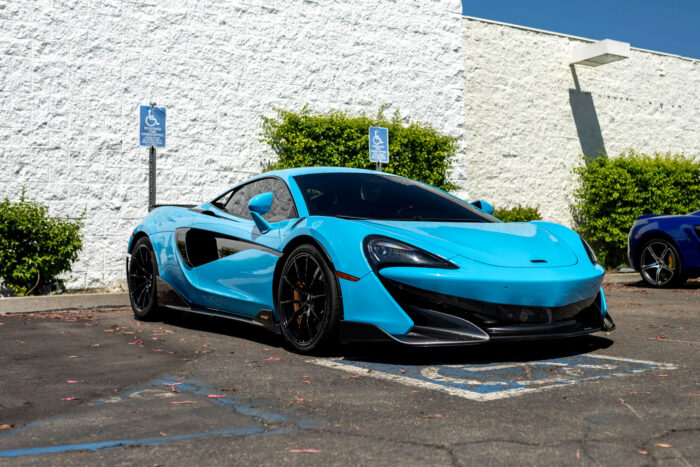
(260, 419)
(491, 381)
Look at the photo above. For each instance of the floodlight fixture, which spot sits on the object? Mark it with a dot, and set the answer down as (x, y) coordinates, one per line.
(600, 53)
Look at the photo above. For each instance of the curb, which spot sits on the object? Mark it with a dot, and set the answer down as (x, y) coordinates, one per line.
(621, 278)
(63, 302)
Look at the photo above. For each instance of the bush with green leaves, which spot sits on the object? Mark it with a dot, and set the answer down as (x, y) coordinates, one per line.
(34, 246)
(336, 139)
(613, 192)
(518, 214)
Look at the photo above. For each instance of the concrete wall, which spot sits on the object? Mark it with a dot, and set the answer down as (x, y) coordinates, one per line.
(529, 115)
(73, 73)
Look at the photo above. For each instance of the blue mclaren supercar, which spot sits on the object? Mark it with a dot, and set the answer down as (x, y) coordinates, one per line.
(321, 254)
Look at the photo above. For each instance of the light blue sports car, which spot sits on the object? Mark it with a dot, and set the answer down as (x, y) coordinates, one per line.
(321, 254)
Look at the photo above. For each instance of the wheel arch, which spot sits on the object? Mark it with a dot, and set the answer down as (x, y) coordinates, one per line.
(138, 236)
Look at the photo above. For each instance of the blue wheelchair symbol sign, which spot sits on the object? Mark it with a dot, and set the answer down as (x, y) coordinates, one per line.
(378, 144)
(152, 126)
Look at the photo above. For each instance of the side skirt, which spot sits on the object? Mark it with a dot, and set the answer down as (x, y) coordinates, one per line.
(169, 298)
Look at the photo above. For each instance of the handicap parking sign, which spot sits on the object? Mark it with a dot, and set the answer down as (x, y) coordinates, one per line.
(378, 144)
(152, 126)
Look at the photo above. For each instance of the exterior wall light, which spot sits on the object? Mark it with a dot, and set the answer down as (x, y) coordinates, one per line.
(600, 53)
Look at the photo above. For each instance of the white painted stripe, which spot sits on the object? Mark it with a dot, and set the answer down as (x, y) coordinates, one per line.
(483, 397)
(670, 366)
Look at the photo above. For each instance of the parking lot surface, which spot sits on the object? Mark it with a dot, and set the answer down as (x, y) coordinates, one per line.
(95, 387)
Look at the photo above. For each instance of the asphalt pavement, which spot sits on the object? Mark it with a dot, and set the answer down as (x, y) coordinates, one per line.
(97, 387)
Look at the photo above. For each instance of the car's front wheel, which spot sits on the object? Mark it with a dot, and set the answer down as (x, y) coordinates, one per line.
(660, 264)
(141, 279)
(307, 300)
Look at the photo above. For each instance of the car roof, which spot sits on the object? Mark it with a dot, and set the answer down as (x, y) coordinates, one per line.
(286, 174)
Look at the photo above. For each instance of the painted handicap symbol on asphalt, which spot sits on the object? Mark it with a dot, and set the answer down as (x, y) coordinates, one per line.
(491, 381)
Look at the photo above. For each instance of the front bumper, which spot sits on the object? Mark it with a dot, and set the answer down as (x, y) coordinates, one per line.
(444, 320)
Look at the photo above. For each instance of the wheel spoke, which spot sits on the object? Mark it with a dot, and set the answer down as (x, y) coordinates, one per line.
(649, 266)
(296, 269)
(308, 328)
(294, 286)
(316, 317)
(313, 279)
(658, 275)
(650, 250)
(140, 299)
(293, 300)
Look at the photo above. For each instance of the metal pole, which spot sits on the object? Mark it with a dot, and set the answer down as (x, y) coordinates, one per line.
(379, 166)
(152, 174)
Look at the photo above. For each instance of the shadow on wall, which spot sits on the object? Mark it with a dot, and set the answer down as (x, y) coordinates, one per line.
(586, 120)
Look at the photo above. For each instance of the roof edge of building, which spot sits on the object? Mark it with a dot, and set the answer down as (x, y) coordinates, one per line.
(569, 36)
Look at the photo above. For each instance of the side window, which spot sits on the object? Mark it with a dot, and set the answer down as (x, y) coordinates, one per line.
(282, 205)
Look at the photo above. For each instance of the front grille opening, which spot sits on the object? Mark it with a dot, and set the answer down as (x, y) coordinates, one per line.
(490, 315)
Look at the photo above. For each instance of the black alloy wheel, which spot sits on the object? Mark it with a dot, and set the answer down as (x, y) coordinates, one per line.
(660, 264)
(142, 280)
(307, 300)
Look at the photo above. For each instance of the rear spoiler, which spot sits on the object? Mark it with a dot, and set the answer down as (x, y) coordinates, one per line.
(187, 206)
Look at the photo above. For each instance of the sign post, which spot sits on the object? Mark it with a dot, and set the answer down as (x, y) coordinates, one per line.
(152, 135)
(379, 146)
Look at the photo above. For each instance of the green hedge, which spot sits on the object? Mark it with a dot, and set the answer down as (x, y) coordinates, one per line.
(613, 192)
(518, 214)
(35, 247)
(336, 139)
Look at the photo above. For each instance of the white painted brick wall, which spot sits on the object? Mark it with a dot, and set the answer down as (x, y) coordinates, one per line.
(522, 137)
(73, 73)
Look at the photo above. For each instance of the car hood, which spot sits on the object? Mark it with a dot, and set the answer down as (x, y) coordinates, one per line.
(517, 244)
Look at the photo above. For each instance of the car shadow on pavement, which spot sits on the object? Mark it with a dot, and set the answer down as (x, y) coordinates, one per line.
(223, 326)
(523, 351)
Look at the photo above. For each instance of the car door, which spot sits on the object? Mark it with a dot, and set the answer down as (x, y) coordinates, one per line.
(232, 260)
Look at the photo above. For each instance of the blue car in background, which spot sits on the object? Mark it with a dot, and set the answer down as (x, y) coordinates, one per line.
(321, 254)
(665, 249)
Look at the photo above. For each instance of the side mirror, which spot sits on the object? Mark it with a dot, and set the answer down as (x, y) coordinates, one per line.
(484, 206)
(259, 205)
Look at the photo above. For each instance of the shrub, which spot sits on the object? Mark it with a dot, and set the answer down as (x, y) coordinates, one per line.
(613, 192)
(304, 138)
(35, 247)
(518, 214)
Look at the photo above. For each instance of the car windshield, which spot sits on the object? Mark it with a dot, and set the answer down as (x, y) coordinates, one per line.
(380, 196)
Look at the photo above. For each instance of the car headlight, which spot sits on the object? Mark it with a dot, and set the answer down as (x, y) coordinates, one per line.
(383, 252)
(589, 250)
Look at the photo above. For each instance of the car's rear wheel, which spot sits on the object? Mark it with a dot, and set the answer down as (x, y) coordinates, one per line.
(142, 280)
(308, 300)
(660, 264)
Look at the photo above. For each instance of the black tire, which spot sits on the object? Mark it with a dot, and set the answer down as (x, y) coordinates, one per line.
(660, 264)
(308, 300)
(141, 279)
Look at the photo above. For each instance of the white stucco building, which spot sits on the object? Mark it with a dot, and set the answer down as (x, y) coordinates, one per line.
(73, 74)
